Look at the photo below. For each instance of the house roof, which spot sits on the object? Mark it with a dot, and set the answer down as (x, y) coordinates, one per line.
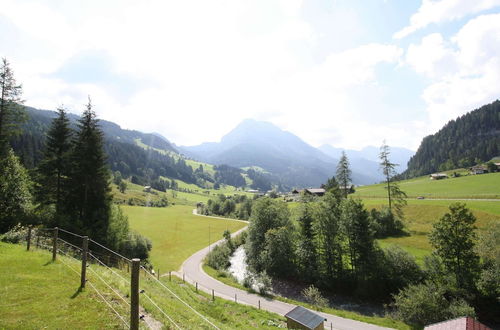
(316, 190)
(439, 174)
(305, 317)
(462, 323)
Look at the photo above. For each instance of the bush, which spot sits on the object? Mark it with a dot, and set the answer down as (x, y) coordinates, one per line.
(15, 235)
(218, 258)
(313, 296)
(385, 223)
(399, 269)
(265, 283)
(427, 303)
(136, 246)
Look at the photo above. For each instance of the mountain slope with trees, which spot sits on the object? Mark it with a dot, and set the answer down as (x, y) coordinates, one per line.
(470, 139)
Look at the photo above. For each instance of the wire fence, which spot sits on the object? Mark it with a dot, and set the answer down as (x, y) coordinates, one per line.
(109, 274)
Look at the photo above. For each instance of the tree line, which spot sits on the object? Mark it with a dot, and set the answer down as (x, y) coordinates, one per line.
(70, 187)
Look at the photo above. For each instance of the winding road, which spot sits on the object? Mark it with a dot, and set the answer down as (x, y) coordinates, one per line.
(193, 273)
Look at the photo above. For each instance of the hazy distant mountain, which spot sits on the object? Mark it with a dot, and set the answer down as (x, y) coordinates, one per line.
(366, 159)
(255, 143)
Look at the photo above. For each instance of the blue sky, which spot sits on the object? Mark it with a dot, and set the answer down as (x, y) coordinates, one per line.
(349, 73)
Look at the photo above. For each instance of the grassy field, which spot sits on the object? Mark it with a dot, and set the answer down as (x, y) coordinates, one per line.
(37, 293)
(483, 186)
(175, 232)
(421, 214)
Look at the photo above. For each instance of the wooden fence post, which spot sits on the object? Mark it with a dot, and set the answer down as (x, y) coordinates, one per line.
(183, 280)
(213, 296)
(259, 304)
(196, 286)
(54, 243)
(85, 249)
(134, 294)
(170, 276)
(29, 238)
(158, 273)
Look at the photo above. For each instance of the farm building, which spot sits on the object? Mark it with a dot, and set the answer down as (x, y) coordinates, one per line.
(302, 318)
(147, 189)
(478, 169)
(462, 323)
(438, 176)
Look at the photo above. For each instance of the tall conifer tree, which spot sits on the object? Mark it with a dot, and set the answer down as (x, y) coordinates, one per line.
(90, 196)
(54, 168)
(344, 174)
(11, 110)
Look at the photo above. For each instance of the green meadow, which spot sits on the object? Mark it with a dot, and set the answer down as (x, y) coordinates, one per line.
(420, 215)
(484, 186)
(176, 233)
(37, 293)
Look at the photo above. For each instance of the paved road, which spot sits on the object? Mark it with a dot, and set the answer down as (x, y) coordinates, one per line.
(192, 269)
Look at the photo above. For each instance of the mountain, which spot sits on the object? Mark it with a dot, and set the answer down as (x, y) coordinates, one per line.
(289, 160)
(463, 142)
(367, 160)
(141, 163)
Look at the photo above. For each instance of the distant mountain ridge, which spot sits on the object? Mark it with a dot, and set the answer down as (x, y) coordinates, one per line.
(289, 159)
(471, 138)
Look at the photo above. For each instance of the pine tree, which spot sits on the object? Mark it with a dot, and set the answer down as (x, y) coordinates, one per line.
(394, 193)
(11, 111)
(344, 174)
(54, 168)
(306, 252)
(90, 193)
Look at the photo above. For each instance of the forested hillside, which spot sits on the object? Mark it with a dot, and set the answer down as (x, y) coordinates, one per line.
(141, 157)
(471, 138)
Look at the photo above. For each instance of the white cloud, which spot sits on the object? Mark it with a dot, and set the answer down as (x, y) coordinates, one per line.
(211, 65)
(464, 71)
(438, 11)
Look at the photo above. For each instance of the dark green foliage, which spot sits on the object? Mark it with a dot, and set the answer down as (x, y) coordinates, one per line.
(331, 185)
(136, 246)
(11, 110)
(15, 195)
(454, 238)
(54, 169)
(360, 242)
(306, 247)
(398, 269)
(385, 223)
(395, 196)
(260, 181)
(424, 304)
(473, 135)
(229, 175)
(267, 214)
(89, 198)
(219, 257)
(278, 256)
(237, 206)
(329, 237)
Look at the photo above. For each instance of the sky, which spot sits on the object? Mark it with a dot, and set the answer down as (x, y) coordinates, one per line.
(349, 73)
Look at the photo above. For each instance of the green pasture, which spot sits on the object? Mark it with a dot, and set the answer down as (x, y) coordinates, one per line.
(38, 294)
(483, 186)
(420, 215)
(176, 233)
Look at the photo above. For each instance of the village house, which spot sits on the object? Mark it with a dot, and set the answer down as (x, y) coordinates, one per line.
(461, 323)
(438, 176)
(478, 169)
(302, 318)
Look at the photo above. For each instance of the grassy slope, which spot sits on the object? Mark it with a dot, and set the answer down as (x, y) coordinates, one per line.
(36, 293)
(175, 232)
(471, 186)
(421, 214)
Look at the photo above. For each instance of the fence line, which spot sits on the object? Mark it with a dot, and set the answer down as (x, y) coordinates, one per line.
(110, 306)
(102, 263)
(178, 298)
(168, 317)
(116, 253)
(68, 232)
(109, 286)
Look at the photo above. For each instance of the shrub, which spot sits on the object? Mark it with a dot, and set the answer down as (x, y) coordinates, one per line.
(265, 283)
(427, 303)
(15, 235)
(218, 258)
(313, 296)
(136, 246)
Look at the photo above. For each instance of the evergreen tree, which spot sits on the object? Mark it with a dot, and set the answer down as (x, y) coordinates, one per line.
(306, 250)
(360, 238)
(15, 196)
(395, 196)
(328, 237)
(11, 111)
(344, 174)
(454, 239)
(54, 168)
(90, 197)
